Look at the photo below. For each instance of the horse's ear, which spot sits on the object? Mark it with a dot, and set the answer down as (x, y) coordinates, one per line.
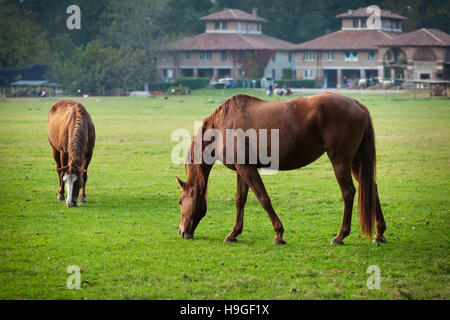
(180, 182)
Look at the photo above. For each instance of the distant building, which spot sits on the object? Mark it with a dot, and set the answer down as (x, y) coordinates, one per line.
(368, 48)
(233, 40)
(33, 72)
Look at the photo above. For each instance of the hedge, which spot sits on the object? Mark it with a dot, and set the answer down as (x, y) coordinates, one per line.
(178, 90)
(160, 86)
(191, 82)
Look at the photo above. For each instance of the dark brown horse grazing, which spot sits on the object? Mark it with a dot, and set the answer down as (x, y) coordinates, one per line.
(308, 127)
(71, 134)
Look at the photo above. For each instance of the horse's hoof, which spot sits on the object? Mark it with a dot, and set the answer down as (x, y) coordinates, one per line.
(279, 241)
(381, 239)
(337, 241)
(230, 239)
(61, 199)
(83, 201)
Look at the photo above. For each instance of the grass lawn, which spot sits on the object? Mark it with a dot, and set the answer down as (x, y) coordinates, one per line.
(126, 241)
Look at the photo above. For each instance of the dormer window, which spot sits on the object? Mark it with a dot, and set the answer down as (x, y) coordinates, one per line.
(221, 25)
(363, 23)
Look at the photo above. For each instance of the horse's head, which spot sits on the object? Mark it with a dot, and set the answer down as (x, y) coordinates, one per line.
(73, 178)
(193, 208)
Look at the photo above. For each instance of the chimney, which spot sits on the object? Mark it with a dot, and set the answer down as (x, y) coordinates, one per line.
(350, 11)
(254, 12)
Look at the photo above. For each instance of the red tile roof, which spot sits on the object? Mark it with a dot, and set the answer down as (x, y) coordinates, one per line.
(233, 14)
(362, 13)
(231, 41)
(421, 37)
(349, 40)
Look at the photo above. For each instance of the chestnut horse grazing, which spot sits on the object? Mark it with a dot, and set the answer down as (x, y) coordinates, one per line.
(307, 128)
(71, 134)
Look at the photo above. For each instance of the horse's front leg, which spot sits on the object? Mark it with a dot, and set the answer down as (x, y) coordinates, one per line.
(251, 176)
(85, 166)
(241, 199)
(57, 158)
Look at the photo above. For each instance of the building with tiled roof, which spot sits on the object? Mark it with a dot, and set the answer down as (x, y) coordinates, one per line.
(371, 44)
(231, 39)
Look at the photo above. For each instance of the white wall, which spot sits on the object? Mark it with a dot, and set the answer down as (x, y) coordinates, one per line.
(281, 62)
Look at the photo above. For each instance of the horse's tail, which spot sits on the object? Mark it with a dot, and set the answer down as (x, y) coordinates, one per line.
(364, 166)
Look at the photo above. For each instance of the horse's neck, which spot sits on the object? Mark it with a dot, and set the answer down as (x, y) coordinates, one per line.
(77, 145)
(199, 175)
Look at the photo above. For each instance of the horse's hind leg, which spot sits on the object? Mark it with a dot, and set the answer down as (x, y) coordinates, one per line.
(343, 174)
(381, 224)
(379, 218)
(251, 176)
(57, 158)
(241, 199)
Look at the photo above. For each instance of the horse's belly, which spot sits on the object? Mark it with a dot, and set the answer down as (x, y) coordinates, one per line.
(300, 157)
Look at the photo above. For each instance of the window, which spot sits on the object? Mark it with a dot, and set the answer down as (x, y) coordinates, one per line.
(187, 56)
(308, 74)
(220, 25)
(273, 57)
(371, 55)
(424, 76)
(239, 26)
(330, 56)
(363, 23)
(257, 27)
(273, 74)
(205, 56)
(389, 56)
(355, 23)
(351, 56)
(290, 57)
(308, 56)
(224, 56)
(164, 57)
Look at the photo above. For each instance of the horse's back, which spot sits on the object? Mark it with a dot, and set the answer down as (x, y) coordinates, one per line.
(62, 119)
(307, 126)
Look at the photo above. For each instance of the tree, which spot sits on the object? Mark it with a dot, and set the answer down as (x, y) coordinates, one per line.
(22, 40)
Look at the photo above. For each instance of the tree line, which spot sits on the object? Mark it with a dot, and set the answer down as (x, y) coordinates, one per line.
(118, 41)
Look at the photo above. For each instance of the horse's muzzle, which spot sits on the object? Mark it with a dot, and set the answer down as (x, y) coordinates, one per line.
(71, 204)
(184, 234)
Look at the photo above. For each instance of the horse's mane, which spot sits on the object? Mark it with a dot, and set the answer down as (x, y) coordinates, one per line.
(229, 107)
(226, 109)
(78, 143)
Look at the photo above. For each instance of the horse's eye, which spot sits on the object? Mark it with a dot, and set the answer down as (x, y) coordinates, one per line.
(180, 201)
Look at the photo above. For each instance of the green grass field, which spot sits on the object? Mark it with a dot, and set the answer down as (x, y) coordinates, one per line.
(126, 239)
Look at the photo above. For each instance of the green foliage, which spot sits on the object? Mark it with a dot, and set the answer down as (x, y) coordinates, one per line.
(22, 40)
(99, 70)
(192, 82)
(160, 86)
(287, 73)
(35, 31)
(178, 90)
